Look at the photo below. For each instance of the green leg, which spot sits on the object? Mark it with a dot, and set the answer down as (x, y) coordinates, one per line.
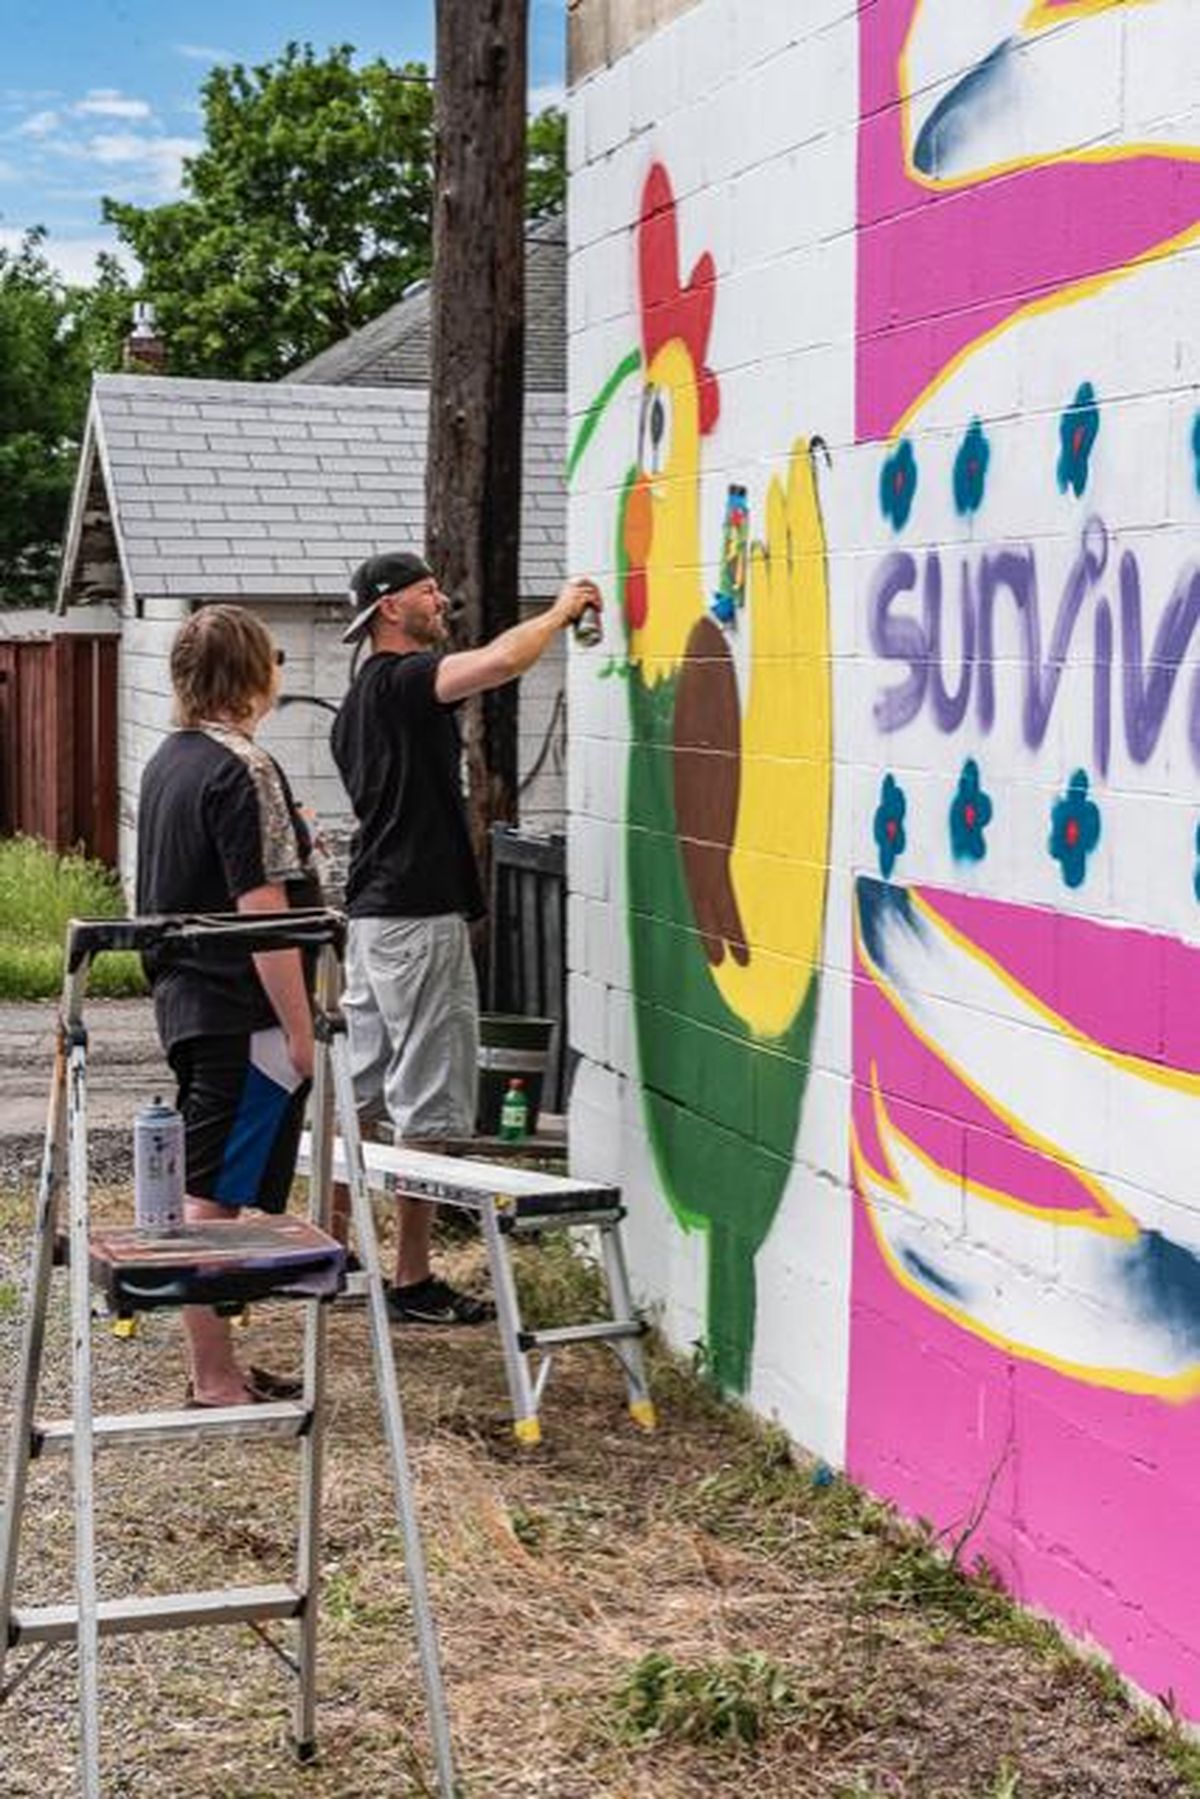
(731, 1307)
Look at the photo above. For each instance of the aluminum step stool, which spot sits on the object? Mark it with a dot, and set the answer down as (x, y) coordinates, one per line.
(510, 1201)
(184, 1276)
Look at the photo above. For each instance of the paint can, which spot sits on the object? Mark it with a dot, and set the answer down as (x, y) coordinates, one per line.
(158, 1168)
(588, 629)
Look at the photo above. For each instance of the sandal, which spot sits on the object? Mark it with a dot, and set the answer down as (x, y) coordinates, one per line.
(192, 1404)
(265, 1385)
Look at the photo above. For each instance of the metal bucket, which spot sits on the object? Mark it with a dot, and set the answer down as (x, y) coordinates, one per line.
(510, 1046)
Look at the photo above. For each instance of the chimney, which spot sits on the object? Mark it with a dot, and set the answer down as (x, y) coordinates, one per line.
(143, 352)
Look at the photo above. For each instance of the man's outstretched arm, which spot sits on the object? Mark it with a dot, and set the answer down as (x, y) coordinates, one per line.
(508, 656)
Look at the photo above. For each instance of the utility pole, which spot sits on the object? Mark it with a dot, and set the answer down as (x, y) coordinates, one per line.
(477, 360)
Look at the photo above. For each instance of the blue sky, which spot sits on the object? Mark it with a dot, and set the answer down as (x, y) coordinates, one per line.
(102, 96)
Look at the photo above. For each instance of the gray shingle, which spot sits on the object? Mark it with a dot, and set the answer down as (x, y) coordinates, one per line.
(393, 350)
(308, 478)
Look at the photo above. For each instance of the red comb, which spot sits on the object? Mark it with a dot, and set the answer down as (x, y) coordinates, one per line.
(670, 310)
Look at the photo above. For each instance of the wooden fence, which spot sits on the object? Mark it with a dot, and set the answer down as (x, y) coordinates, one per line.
(58, 740)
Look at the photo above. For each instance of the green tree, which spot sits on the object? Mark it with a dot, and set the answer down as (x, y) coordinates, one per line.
(306, 214)
(546, 163)
(50, 339)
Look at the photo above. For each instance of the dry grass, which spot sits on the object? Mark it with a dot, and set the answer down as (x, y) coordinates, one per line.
(682, 1615)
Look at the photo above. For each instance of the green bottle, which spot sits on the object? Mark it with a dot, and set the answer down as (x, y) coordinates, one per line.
(514, 1113)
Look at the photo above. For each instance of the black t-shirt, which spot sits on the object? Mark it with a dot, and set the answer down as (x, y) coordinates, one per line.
(397, 748)
(216, 819)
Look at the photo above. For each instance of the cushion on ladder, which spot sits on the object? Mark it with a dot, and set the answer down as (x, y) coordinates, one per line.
(223, 1260)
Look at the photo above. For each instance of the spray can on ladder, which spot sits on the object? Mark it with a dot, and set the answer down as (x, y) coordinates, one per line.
(158, 1172)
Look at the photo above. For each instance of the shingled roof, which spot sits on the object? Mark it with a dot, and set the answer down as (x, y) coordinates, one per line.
(233, 489)
(393, 350)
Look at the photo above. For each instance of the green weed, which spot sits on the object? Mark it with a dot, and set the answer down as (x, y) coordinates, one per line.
(917, 1574)
(528, 1527)
(734, 1700)
(557, 1284)
(40, 891)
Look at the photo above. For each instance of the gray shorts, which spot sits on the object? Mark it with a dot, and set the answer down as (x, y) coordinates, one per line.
(412, 1012)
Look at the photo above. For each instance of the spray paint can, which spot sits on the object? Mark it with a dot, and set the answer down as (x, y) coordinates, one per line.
(158, 1168)
(588, 629)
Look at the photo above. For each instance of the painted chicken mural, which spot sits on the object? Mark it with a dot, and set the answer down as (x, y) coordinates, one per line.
(728, 804)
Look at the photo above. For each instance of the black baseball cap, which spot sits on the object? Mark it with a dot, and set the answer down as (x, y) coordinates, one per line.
(374, 579)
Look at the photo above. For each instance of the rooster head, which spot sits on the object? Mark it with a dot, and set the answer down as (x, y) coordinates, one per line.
(664, 592)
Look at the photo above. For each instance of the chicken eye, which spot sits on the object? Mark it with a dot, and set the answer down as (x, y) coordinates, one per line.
(655, 429)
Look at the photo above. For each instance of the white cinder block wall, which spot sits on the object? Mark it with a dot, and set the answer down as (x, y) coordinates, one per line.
(885, 848)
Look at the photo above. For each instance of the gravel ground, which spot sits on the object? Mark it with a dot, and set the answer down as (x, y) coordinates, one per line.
(125, 1068)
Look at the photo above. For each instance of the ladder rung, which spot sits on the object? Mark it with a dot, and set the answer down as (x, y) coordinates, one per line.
(518, 1223)
(280, 1418)
(163, 1611)
(608, 1330)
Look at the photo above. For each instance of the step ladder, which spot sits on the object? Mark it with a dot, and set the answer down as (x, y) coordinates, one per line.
(137, 1272)
(510, 1201)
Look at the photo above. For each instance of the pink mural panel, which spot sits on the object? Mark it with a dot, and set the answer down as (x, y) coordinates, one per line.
(1084, 1487)
(940, 267)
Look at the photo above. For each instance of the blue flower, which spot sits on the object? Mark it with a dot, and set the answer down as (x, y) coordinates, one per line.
(898, 485)
(1077, 432)
(970, 815)
(1074, 829)
(970, 470)
(889, 825)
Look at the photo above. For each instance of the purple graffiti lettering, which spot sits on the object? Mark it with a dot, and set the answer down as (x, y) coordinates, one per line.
(1008, 570)
(898, 640)
(1042, 684)
(1016, 571)
(1147, 699)
(1102, 699)
(948, 709)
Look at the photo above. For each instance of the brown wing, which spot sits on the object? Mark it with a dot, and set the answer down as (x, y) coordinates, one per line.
(708, 774)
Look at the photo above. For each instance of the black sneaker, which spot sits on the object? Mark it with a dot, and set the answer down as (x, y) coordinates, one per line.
(433, 1301)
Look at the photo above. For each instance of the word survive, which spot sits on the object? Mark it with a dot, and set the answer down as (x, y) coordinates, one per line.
(1007, 575)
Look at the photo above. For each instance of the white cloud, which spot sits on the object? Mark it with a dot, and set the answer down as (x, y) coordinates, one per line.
(109, 103)
(75, 257)
(38, 124)
(116, 147)
(203, 53)
(157, 161)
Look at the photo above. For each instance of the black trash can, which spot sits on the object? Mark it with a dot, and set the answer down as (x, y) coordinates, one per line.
(510, 1046)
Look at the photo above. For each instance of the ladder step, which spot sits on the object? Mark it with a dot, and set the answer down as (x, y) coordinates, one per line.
(163, 1611)
(283, 1418)
(609, 1330)
(520, 1222)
